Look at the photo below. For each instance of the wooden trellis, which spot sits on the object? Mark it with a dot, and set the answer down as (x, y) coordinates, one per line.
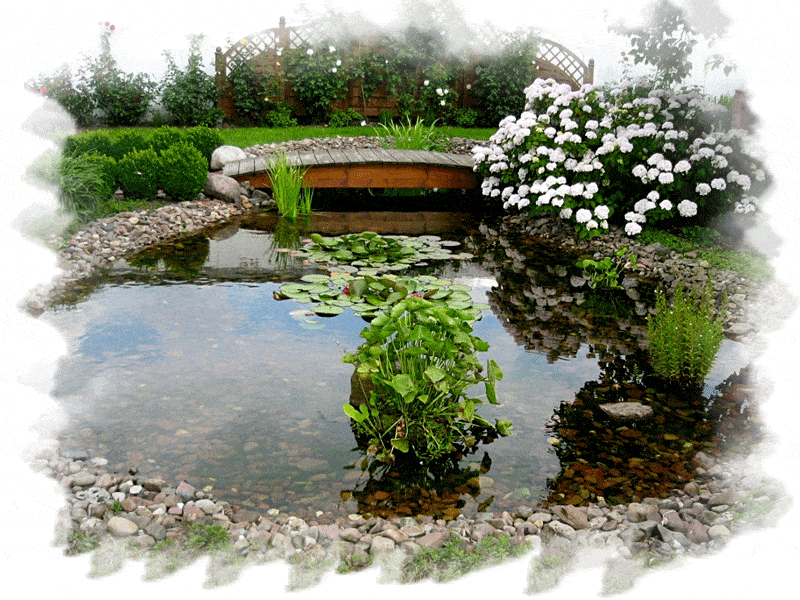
(264, 48)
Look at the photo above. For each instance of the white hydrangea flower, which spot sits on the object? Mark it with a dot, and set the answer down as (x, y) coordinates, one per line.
(666, 178)
(633, 228)
(687, 208)
(682, 166)
(592, 224)
(703, 189)
(665, 204)
(653, 195)
(601, 212)
(718, 183)
(640, 171)
(583, 215)
(565, 213)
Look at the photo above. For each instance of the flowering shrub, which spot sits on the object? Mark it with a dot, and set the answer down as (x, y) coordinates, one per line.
(628, 155)
(315, 78)
(70, 91)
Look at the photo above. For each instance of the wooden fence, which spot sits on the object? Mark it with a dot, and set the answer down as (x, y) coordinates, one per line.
(263, 49)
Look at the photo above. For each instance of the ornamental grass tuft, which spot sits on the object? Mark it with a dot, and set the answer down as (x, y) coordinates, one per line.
(288, 189)
(685, 337)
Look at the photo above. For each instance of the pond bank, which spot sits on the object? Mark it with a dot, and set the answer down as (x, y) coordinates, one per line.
(695, 519)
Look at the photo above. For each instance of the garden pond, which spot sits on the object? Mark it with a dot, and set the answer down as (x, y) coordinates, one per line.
(187, 363)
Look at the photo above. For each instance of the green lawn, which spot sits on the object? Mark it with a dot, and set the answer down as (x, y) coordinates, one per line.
(251, 136)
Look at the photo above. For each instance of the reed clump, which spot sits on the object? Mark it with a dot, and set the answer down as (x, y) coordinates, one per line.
(289, 191)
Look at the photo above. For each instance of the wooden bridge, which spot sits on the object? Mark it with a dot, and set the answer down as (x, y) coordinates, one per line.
(366, 168)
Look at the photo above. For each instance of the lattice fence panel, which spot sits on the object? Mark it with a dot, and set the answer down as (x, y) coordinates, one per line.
(562, 59)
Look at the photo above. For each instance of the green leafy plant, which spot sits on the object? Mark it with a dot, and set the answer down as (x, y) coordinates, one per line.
(253, 93)
(137, 173)
(605, 273)
(343, 118)
(279, 114)
(499, 86)
(205, 139)
(406, 136)
(288, 189)
(685, 336)
(182, 172)
(420, 359)
(70, 90)
(314, 75)
(189, 95)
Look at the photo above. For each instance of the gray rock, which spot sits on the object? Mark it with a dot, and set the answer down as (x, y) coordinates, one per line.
(225, 154)
(381, 544)
(121, 527)
(560, 529)
(627, 411)
(83, 478)
(224, 188)
(573, 516)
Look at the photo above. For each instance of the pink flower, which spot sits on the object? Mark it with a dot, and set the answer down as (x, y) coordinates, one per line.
(43, 91)
(346, 289)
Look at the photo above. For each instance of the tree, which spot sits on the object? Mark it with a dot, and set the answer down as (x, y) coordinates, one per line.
(670, 34)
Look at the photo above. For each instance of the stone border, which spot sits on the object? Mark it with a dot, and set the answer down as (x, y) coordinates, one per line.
(695, 520)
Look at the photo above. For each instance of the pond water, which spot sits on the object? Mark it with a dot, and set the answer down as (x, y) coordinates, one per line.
(183, 365)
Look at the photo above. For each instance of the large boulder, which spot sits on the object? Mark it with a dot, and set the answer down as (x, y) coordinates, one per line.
(225, 154)
(224, 188)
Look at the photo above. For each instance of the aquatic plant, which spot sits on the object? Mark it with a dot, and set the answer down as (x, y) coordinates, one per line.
(367, 295)
(420, 358)
(604, 274)
(686, 336)
(288, 190)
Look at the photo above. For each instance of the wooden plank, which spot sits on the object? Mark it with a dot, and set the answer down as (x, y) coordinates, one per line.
(352, 156)
(308, 158)
(401, 156)
(324, 157)
(370, 155)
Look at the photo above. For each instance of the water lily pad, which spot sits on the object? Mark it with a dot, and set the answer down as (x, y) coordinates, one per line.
(326, 310)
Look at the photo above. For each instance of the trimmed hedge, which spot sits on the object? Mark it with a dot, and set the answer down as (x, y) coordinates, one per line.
(182, 172)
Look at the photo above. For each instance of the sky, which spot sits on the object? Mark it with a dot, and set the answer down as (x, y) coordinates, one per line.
(40, 37)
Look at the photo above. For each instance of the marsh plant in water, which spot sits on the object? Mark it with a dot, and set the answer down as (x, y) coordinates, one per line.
(288, 189)
(418, 364)
(685, 337)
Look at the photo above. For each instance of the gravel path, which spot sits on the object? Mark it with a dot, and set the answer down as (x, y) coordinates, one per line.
(696, 520)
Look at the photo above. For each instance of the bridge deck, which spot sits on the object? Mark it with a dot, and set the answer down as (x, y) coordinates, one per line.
(366, 168)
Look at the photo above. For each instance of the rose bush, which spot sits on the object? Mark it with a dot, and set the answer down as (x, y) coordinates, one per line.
(629, 154)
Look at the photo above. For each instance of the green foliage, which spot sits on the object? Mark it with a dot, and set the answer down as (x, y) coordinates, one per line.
(80, 543)
(500, 82)
(137, 173)
(190, 95)
(207, 537)
(288, 190)
(421, 359)
(411, 137)
(205, 139)
(455, 558)
(605, 273)
(129, 140)
(279, 114)
(70, 91)
(343, 118)
(163, 137)
(84, 181)
(314, 75)
(182, 171)
(253, 93)
(668, 38)
(464, 117)
(686, 336)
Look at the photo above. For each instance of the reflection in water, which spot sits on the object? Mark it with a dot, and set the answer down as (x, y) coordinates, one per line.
(195, 372)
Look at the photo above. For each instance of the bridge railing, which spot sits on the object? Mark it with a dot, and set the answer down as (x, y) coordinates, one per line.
(263, 49)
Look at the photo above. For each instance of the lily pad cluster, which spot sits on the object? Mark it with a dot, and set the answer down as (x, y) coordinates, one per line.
(368, 250)
(368, 295)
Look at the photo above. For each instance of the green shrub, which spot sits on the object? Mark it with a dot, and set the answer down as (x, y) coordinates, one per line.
(124, 97)
(128, 141)
(251, 92)
(137, 173)
(345, 118)
(165, 137)
(190, 95)
(100, 141)
(421, 359)
(315, 78)
(71, 92)
(205, 139)
(279, 114)
(182, 172)
(685, 337)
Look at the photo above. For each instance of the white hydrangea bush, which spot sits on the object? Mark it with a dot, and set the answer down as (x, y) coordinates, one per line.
(628, 155)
